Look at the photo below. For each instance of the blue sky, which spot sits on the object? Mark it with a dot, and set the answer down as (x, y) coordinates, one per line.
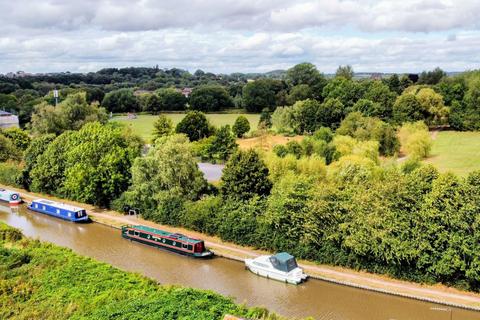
(239, 36)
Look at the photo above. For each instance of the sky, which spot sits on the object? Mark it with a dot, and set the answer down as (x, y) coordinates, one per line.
(227, 36)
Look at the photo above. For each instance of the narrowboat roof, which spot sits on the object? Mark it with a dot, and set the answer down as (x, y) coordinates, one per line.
(58, 205)
(178, 236)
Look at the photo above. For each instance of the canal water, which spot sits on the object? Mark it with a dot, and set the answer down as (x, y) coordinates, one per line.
(319, 299)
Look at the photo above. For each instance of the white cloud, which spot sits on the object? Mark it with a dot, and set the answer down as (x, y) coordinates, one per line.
(239, 35)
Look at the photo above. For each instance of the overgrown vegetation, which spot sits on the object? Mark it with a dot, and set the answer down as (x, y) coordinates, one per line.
(43, 281)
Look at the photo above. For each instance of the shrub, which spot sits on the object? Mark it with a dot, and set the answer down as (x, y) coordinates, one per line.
(163, 126)
(241, 126)
(195, 125)
(415, 140)
(11, 174)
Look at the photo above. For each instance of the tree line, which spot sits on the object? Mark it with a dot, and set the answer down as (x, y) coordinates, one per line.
(432, 96)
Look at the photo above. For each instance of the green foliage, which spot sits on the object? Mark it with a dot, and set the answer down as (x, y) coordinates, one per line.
(195, 125)
(306, 74)
(323, 133)
(222, 144)
(258, 95)
(415, 140)
(298, 93)
(11, 174)
(330, 113)
(431, 77)
(407, 109)
(245, 176)
(36, 148)
(305, 115)
(265, 118)
(170, 99)
(162, 127)
(382, 98)
(49, 282)
(210, 98)
(8, 151)
(282, 119)
(70, 114)
(367, 128)
(168, 171)
(19, 138)
(122, 100)
(345, 72)
(348, 92)
(241, 126)
(91, 165)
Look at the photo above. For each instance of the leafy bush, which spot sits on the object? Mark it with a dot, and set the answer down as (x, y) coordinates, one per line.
(415, 140)
(163, 126)
(11, 174)
(241, 126)
(195, 125)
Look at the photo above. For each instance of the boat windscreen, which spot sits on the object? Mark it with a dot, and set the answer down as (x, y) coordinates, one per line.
(284, 265)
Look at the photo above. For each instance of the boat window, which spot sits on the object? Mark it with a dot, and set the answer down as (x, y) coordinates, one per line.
(130, 232)
(184, 245)
(174, 243)
(44, 208)
(136, 233)
(190, 247)
(69, 214)
(58, 211)
(36, 205)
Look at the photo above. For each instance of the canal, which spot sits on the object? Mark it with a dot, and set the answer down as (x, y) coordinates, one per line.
(319, 299)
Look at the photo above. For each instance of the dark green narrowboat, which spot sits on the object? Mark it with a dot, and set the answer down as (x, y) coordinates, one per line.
(175, 242)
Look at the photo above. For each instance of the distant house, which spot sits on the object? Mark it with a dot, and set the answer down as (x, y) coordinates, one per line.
(8, 120)
(186, 92)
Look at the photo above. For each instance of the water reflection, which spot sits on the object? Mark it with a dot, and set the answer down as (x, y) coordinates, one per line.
(319, 299)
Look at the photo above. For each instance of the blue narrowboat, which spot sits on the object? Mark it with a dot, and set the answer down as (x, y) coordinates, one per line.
(59, 210)
(9, 196)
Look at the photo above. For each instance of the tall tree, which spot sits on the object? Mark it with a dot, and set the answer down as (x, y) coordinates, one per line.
(245, 176)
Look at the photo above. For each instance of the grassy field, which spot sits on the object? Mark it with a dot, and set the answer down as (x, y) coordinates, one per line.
(458, 152)
(143, 125)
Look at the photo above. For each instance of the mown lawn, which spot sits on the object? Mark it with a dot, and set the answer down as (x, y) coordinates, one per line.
(458, 152)
(143, 125)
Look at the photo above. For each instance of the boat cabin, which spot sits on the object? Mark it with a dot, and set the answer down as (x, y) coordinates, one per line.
(59, 210)
(283, 261)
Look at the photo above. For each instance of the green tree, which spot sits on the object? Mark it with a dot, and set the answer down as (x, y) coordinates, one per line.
(407, 108)
(330, 113)
(345, 72)
(298, 93)
(307, 74)
(210, 98)
(431, 77)
(393, 83)
(367, 128)
(282, 119)
(152, 103)
(171, 100)
(241, 126)
(168, 171)
(8, 151)
(265, 118)
(383, 98)
(91, 165)
(245, 176)
(70, 114)
(121, 100)
(19, 138)
(37, 147)
(305, 116)
(223, 144)
(258, 95)
(348, 92)
(195, 125)
(163, 126)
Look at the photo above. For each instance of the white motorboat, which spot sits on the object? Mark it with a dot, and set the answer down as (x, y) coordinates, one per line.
(282, 267)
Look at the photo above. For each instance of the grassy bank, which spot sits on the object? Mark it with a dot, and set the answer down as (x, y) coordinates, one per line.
(143, 124)
(44, 281)
(455, 151)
